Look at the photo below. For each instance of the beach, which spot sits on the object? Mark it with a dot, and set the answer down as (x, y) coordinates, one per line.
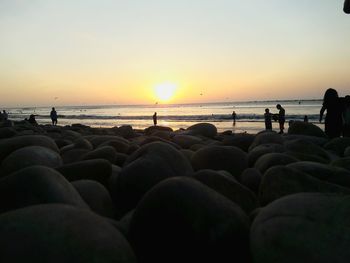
(157, 194)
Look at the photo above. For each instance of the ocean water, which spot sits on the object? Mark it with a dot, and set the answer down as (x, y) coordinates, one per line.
(249, 118)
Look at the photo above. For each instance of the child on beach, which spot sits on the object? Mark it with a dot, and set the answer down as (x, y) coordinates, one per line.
(268, 122)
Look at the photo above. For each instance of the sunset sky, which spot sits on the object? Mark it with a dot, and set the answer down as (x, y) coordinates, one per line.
(84, 52)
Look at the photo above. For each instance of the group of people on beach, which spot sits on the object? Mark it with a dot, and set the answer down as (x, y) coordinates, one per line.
(4, 115)
(280, 117)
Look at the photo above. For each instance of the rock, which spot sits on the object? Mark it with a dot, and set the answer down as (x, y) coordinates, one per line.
(99, 139)
(152, 139)
(187, 153)
(96, 196)
(334, 175)
(97, 169)
(204, 129)
(36, 185)
(343, 163)
(262, 149)
(228, 158)
(150, 130)
(228, 187)
(347, 152)
(60, 233)
(306, 147)
(305, 128)
(320, 141)
(7, 132)
(338, 145)
(272, 159)
(307, 157)
(242, 141)
(251, 178)
(29, 156)
(71, 135)
(186, 141)
(62, 142)
(82, 143)
(106, 152)
(266, 137)
(182, 220)
(292, 229)
(73, 155)
(280, 181)
(119, 145)
(145, 168)
(124, 223)
(10, 145)
(125, 131)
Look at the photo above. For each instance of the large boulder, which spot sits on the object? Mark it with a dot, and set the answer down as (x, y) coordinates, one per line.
(73, 155)
(106, 152)
(307, 148)
(305, 128)
(204, 129)
(251, 178)
(262, 149)
(266, 137)
(242, 141)
(7, 132)
(186, 141)
(97, 169)
(303, 227)
(182, 220)
(228, 158)
(228, 187)
(96, 140)
(338, 145)
(335, 175)
(347, 152)
(145, 168)
(152, 129)
(343, 163)
(36, 185)
(119, 145)
(60, 233)
(29, 156)
(96, 196)
(272, 159)
(280, 181)
(10, 145)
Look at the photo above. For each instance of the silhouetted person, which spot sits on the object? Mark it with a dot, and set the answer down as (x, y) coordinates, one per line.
(267, 117)
(32, 120)
(53, 116)
(346, 117)
(306, 118)
(155, 118)
(5, 115)
(234, 115)
(281, 117)
(333, 121)
(347, 6)
(1, 116)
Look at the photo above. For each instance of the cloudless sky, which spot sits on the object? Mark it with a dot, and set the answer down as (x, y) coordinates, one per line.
(117, 51)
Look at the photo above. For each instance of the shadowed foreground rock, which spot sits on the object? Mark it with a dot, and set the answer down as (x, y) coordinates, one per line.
(182, 220)
(303, 228)
(60, 233)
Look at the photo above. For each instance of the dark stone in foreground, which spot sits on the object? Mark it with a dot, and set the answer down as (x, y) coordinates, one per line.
(204, 129)
(60, 233)
(303, 228)
(182, 220)
(305, 128)
(37, 185)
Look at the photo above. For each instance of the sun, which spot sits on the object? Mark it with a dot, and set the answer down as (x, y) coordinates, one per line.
(165, 91)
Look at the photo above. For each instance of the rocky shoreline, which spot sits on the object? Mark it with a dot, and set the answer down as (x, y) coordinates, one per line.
(82, 194)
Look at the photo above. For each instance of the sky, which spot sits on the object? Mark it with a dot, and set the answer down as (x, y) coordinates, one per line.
(90, 52)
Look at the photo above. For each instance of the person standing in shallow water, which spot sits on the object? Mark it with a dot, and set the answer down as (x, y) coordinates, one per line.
(333, 121)
(155, 119)
(53, 116)
(281, 117)
(234, 115)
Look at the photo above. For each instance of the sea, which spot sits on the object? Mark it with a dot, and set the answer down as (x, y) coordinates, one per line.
(249, 114)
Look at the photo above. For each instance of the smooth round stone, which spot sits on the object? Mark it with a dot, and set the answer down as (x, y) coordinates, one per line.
(307, 157)
(120, 158)
(342, 163)
(125, 131)
(166, 135)
(145, 168)
(280, 181)
(106, 152)
(152, 139)
(10, 145)
(187, 153)
(152, 129)
(119, 145)
(335, 175)
(95, 196)
(272, 159)
(186, 141)
(204, 129)
(99, 139)
(228, 187)
(262, 149)
(320, 141)
(182, 220)
(98, 170)
(60, 233)
(62, 142)
(305, 128)
(228, 158)
(306, 147)
(266, 137)
(71, 135)
(82, 143)
(338, 145)
(29, 156)
(242, 141)
(251, 178)
(7, 132)
(73, 155)
(124, 223)
(347, 152)
(36, 185)
(305, 227)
